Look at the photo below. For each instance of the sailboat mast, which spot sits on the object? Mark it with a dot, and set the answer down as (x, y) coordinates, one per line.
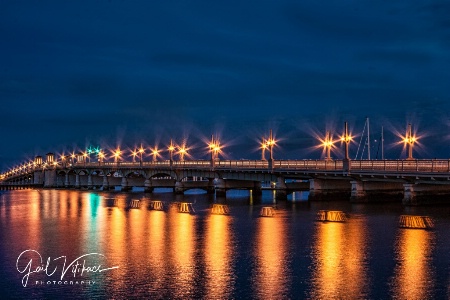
(368, 139)
(382, 143)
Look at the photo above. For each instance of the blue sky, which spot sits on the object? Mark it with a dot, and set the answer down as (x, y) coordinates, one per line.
(105, 72)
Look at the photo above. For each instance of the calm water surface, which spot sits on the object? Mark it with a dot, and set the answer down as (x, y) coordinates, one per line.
(172, 255)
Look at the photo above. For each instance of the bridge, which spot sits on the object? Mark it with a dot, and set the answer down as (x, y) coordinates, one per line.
(410, 181)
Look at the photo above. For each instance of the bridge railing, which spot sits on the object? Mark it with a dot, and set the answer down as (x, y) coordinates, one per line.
(243, 164)
(431, 165)
(309, 164)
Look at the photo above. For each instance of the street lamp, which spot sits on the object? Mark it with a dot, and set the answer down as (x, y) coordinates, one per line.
(263, 149)
(409, 141)
(271, 143)
(171, 148)
(85, 155)
(214, 147)
(346, 138)
(141, 151)
(182, 151)
(328, 144)
(116, 155)
(101, 156)
(155, 153)
(134, 153)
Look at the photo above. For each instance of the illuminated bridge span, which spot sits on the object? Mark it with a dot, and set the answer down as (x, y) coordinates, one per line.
(411, 181)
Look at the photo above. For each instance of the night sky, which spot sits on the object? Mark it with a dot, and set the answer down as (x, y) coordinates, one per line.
(126, 72)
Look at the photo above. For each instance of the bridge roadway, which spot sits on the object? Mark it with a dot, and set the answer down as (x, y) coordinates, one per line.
(411, 181)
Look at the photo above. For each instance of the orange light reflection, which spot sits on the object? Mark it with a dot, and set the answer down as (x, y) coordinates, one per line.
(340, 268)
(413, 276)
(271, 275)
(218, 254)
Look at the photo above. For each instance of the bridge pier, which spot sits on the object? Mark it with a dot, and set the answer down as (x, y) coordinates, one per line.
(178, 188)
(90, 184)
(37, 177)
(222, 185)
(375, 191)
(66, 180)
(328, 189)
(105, 183)
(50, 178)
(77, 181)
(124, 185)
(281, 189)
(426, 193)
(148, 186)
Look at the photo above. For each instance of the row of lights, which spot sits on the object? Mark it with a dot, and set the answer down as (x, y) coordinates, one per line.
(328, 143)
(214, 147)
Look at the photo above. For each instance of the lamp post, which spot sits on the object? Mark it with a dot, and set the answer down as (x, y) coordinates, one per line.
(327, 144)
(171, 148)
(271, 143)
(263, 149)
(409, 140)
(101, 156)
(346, 138)
(182, 151)
(141, 151)
(134, 153)
(116, 155)
(155, 153)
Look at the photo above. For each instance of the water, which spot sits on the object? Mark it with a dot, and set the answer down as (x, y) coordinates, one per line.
(240, 255)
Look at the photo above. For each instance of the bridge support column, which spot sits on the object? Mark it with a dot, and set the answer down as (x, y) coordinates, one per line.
(77, 181)
(424, 193)
(210, 189)
(37, 178)
(358, 194)
(178, 189)
(376, 191)
(66, 180)
(148, 186)
(105, 183)
(281, 189)
(124, 184)
(219, 186)
(256, 190)
(328, 189)
(90, 184)
(50, 178)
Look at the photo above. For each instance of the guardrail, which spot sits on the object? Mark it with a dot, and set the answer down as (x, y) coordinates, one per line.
(419, 166)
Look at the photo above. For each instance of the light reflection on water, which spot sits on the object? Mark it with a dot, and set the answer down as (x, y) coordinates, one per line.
(340, 262)
(167, 254)
(271, 275)
(413, 277)
(218, 257)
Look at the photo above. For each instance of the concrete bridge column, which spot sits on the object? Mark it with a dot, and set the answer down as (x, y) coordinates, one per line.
(124, 184)
(376, 191)
(66, 180)
(409, 194)
(256, 190)
(328, 189)
(358, 193)
(77, 181)
(426, 193)
(37, 177)
(148, 186)
(281, 189)
(90, 183)
(50, 178)
(105, 184)
(210, 189)
(219, 185)
(178, 189)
